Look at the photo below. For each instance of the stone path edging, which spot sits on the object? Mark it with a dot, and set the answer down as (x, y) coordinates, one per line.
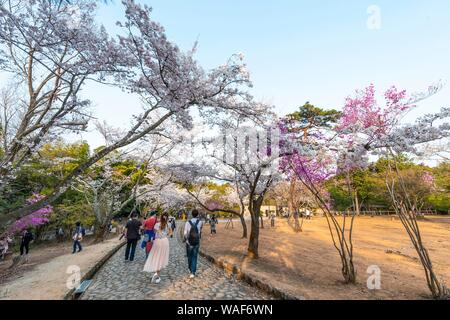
(250, 279)
(244, 276)
(92, 271)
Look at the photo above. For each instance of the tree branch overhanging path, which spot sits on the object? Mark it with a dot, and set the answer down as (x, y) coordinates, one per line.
(141, 61)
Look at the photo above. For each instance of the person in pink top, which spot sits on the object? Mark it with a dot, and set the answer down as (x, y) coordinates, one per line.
(149, 232)
(158, 258)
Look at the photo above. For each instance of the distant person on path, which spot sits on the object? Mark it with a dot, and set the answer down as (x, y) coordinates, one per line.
(27, 237)
(149, 233)
(192, 236)
(272, 220)
(60, 234)
(78, 237)
(158, 258)
(212, 223)
(133, 229)
(4, 246)
(173, 225)
(308, 214)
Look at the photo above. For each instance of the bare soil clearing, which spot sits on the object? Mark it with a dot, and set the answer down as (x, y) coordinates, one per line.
(308, 266)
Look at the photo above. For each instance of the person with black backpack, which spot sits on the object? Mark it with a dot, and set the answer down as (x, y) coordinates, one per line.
(192, 236)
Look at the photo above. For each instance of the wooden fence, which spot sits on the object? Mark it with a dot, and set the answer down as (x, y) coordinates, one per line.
(384, 213)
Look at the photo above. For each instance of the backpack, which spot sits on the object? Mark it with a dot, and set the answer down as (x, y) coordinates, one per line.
(194, 234)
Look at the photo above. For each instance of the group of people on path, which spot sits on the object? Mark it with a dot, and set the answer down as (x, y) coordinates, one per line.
(27, 237)
(156, 233)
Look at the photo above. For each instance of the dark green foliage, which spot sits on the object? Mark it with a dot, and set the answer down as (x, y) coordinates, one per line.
(371, 188)
(309, 117)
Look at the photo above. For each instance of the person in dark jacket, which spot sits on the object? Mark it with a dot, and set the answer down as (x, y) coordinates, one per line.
(133, 229)
(27, 237)
(173, 225)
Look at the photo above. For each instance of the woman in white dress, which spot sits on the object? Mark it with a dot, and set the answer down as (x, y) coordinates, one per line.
(158, 257)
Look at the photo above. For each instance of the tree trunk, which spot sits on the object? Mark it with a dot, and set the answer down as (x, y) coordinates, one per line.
(253, 243)
(291, 196)
(254, 238)
(297, 226)
(101, 231)
(357, 205)
(244, 226)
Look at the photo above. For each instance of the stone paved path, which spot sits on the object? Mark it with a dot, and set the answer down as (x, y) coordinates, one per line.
(118, 280)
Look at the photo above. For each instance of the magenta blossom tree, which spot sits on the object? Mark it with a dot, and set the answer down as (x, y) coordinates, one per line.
(368, 129)
(35, 219)
(312, 172)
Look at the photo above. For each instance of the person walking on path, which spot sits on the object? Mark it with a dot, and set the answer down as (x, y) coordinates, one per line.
(192, 236)
(272, 220)
(173, 226)
(4, 246)
(27, 237)
(133, 229)
(212, 223)
(78, 237)
(149, 233)
(308, 214)
(60, 234)
(158, 257)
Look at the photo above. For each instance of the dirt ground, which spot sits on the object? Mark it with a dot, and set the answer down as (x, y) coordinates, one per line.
(45, 275)
(308, 266)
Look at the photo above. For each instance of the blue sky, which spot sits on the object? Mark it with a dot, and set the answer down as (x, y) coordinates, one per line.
(303, 50)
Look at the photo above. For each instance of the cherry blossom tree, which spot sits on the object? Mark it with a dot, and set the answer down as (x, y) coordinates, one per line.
(162, 192)
(50, 61)
(245, 158)
(312, 169)
(108, 191)
(195, 179)
(119, 180)
(170, 82)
